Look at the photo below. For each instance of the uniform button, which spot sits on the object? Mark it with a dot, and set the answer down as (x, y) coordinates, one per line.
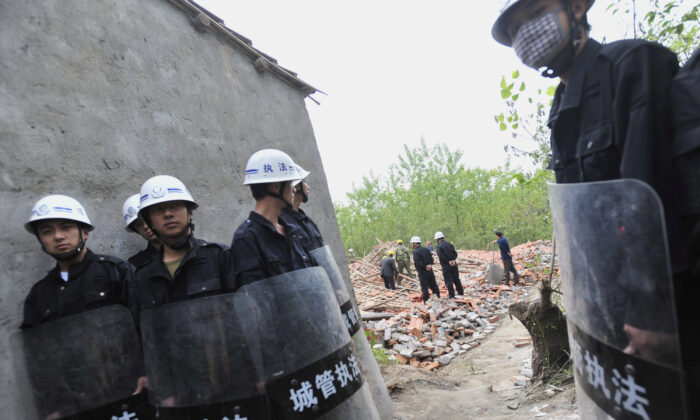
(62, 288)
(48, 311)
(102, 293)
(154, 301)
(102, 258)
(204, 287)
(590, 144)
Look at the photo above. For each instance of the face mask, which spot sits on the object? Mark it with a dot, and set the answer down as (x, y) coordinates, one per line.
(540, 39)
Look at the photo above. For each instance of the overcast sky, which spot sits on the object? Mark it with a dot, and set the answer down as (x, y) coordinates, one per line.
(393, 71)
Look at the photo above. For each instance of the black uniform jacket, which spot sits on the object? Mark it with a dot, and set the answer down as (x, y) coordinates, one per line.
(446, 252)
(310, 234)
(205, 270)
(389, 268)
(96, 281)
(613, 120)
(259, 251)
(422, 257)
(144, 256)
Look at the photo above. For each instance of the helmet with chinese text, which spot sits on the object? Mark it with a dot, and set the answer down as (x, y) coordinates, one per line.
(85, 365)
(270, 165)
(219, 369)
(618, 295)
(310, 364)
(351, 317)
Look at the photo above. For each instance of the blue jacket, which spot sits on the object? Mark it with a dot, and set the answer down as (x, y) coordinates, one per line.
(505, 248)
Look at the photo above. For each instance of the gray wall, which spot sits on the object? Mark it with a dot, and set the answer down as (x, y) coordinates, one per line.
(96, 96)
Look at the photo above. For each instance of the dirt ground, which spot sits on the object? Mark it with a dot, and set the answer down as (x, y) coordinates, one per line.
(479, 385)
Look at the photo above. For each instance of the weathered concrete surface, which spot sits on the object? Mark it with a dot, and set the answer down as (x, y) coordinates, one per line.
(97, 96)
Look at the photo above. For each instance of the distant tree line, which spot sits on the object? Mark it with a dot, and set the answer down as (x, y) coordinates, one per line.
(428, 189)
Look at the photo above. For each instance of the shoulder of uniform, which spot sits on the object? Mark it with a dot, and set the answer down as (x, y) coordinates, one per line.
(109, 259)
(619, 50)
(207, 244)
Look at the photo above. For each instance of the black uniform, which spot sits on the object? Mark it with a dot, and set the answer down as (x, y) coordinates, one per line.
(310, 234)
(422, 258)
(96, 281)
(144, 256)
(259, 251)
(389, 272)
(205, 270)
(446, 252)
(612, 120)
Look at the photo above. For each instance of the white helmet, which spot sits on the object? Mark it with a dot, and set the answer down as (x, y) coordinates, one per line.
(415, 240)
(130, 210)
(303, 173)
(58, 206)
(439, 235)
(270, 165)
(163, 188)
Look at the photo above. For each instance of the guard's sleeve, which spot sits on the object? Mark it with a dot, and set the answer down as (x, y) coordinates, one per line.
(227, 269)
(30, 317)
(642, 117)
(418, 261)
(246, 260)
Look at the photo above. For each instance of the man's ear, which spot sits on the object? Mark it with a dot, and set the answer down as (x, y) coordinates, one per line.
(579, 8)
(86, 233)
(274, 187)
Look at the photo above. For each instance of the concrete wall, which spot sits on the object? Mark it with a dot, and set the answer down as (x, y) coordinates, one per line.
(96, 96)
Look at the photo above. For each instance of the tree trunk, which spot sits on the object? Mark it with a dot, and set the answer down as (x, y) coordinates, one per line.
(547, 327)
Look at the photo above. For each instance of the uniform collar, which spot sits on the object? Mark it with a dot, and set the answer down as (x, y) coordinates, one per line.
(569, 95)
(192, 247)
(75, 269)
(288, 227)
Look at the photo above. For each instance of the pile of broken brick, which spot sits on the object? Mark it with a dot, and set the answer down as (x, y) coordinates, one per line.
(431, 335)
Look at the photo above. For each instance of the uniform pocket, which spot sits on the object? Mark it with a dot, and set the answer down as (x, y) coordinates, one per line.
(597, 154)
(206, 286)
(95, 297)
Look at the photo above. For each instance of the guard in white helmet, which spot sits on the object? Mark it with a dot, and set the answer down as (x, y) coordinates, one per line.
(186, 267)
(266, 244)
(81, 281)
(423, 261)
(311, 235)
(447, 254)
(134, 223)
(62, 227)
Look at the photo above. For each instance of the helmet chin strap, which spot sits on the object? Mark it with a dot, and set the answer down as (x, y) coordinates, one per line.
(69, 255)
(181, 243)
(280, 195)
(561, 62)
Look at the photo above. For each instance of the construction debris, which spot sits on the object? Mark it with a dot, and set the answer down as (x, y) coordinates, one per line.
(431, 335)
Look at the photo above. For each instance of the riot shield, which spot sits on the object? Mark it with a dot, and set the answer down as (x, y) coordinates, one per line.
(310, 365)
(83, 366)
(350, 313)
(618, 298)
(201, 363)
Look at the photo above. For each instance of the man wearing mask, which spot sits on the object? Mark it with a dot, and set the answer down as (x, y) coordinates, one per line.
(266, 244)
(311, 235)
(133, 223)
(610, 119)
(423, 260)
(447, 254)
(186, 267)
